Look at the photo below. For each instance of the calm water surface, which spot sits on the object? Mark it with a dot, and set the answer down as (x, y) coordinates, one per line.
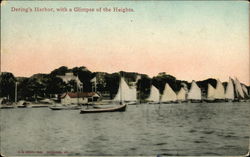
(168, 129)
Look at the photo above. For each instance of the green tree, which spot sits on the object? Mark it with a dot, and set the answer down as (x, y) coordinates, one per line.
(204, 84)
(23, 91)
(60, 71)
(112, 83)
(55, 85)
(143, 86)
(84, 76)
(161, 79)
(7, 85)
(31, 89)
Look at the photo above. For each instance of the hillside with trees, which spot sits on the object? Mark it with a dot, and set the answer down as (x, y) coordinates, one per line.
(41, 86)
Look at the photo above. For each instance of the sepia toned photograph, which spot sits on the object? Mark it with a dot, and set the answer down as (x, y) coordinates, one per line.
(124, 78)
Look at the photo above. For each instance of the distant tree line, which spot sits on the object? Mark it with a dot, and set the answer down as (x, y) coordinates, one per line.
(40, 86)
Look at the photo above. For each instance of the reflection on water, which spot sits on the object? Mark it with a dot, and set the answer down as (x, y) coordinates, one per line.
(169, 129)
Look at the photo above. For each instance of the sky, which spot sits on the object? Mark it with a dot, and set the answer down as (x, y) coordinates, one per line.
(191, 40)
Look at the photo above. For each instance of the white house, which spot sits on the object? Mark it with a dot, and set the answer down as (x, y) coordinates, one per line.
(79, 98)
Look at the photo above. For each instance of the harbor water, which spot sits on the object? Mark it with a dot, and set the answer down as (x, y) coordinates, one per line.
(144, 129)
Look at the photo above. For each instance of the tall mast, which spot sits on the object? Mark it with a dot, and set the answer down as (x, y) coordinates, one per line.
(120, 86)
(15, 92)
(139, 94)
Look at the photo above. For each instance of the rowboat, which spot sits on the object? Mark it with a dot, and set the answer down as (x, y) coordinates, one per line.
(7, 107)
(119, 108)
(65, 107)
(123, 88)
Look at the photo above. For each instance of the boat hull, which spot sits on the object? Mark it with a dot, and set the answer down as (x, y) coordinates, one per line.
(64, 108)
(182, 101)
(22, 106)
(55, 108)
(7, 107)
(153, 102)
(170, 102)
(229, 100)
(120, 108)
(194, 101)
(220, 100)
(132, 103)
(39, 106)
(215, 101)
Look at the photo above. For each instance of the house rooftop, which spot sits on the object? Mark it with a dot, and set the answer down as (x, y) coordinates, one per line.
(79, 94)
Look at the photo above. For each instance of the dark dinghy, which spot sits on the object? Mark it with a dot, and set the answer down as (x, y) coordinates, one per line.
(65, 107)
(120, 108)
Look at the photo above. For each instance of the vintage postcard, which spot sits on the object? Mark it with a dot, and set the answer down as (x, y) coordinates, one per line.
(124, 78)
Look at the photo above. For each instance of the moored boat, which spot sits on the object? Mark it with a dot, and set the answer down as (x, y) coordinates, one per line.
(181, 96)
(22, 104)
(168, 96)
(245, 91)
(65, 107)
(239, 94)
(154, 96)
(39, 106)
(194, 94)
(131, 103)
(123, 89)
(7, 106)
(120, 108)
(219, 93)
(210, 94)
(128, 93)
(229, 94)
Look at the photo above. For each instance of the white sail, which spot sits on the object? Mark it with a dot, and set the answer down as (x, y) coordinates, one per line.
(181, 96)
(244, 88)
(125, 93)
(118, 96)
(168, 94)
(219, 91)
(238, 88)
(132, 95)
(210, 92)
(230, 90)
(194, 92)
(154, 94)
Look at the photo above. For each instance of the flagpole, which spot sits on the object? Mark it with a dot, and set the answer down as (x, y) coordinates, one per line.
(139, 92)
(95, 86)
(77, 93)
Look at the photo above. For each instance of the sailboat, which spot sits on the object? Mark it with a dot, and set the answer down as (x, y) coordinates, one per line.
(194, 94)
(168, 95)
(181, 96)
(210, 93)
(239, 95)
(133, 96)
(219, 93)
(116, 108)
(154, 96)
(128, 93)
(229, 95)
(245, 91)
